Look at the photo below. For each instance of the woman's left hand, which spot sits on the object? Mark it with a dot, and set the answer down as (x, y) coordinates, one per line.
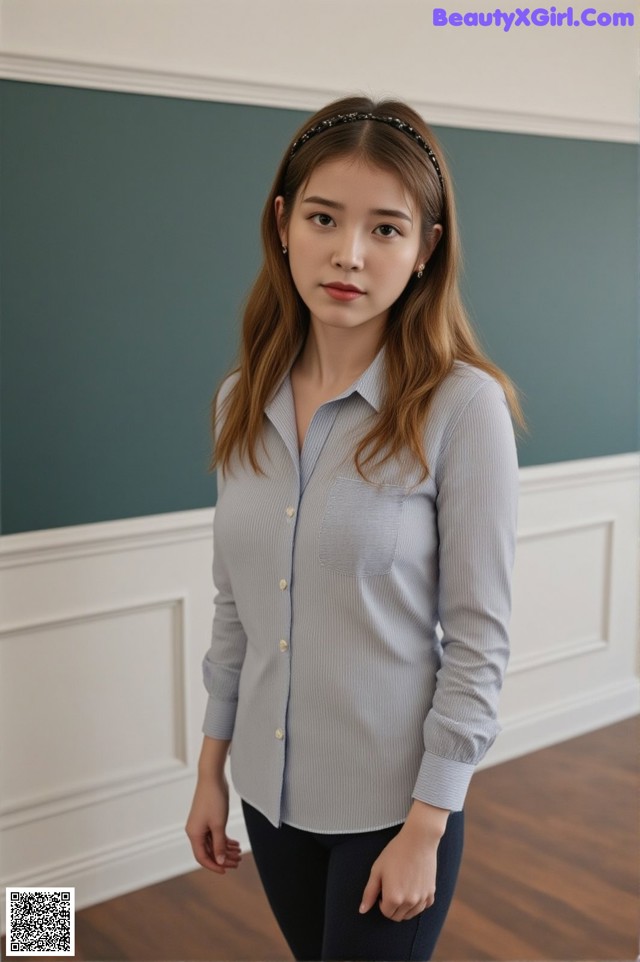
(405, 872)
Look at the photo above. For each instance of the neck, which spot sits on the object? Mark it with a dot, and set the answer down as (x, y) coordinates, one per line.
(332, 358)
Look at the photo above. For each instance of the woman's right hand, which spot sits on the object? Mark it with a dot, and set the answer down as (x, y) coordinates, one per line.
(206, 825)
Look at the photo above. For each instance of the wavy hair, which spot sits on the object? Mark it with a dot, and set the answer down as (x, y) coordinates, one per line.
(427, 327)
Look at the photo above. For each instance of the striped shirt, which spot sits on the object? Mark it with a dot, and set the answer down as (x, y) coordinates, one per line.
(342, 700)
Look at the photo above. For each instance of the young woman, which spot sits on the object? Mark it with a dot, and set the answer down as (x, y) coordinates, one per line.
(356, 726)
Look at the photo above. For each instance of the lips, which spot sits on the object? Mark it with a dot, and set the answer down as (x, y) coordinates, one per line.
(344, 287)
(343, 292)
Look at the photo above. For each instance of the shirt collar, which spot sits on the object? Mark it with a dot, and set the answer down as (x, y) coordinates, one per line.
(370, 384)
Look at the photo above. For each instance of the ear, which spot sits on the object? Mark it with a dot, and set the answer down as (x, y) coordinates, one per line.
(282, 230)
(436, 234)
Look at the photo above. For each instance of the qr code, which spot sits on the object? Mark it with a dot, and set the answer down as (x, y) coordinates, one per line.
(40, 921)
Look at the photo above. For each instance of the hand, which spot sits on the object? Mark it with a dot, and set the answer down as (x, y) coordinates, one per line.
(206, 825)
(405, 871)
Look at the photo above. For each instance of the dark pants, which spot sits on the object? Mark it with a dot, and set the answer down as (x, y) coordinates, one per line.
(314, 884)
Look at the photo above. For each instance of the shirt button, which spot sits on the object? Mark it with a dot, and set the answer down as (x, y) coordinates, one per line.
(290, 512)
(283, 645)
(283, 584)
(279, 733)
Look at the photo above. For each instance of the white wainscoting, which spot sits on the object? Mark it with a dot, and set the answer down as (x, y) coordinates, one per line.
(301, 55)
(104, 627)
(576, 586)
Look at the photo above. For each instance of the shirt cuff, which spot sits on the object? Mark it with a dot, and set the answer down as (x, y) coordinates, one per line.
(443, 782)
(219, 719)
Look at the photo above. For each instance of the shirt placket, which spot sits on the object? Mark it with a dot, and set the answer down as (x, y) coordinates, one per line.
(305, 462)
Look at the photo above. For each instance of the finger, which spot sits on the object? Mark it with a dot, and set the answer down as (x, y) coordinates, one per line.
(227, 852)
(394, 915)
(203, 850)
(371, 891)
(220, 846)
(405, 911)
(232, 851)
(202, 855)
(420, 908)
(412, 915)
(227, 864)
(391, 908)
(212, 866)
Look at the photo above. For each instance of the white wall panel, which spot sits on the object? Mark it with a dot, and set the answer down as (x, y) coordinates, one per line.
(535, 79)
(103, 629)
(571, 568)
(113, 683)
(575, 626)
(102, 632)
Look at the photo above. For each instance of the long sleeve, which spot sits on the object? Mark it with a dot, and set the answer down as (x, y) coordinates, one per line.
(477, 505)
(223, 661)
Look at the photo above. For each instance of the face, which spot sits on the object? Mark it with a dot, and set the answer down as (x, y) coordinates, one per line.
(353, 239)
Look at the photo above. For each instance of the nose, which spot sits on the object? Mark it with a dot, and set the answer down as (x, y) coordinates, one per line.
(348, 254)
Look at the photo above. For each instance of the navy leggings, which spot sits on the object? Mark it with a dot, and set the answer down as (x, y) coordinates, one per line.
(314, 885)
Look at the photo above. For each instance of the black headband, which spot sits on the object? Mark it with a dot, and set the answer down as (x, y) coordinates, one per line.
(350, 118)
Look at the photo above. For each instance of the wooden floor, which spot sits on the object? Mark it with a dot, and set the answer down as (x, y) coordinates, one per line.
(550, 871)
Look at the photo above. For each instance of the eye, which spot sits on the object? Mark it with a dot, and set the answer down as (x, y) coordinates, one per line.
(323, 220)
(388, 230)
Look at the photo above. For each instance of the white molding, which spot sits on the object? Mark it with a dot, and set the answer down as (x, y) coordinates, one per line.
(534, 729)
(569, 474)
(19, 811)
(105, 537)
(90, 614)
(141, 80)
(549, 531)
(22, 812)
(559, 653)
(596, 642)
(92, 866)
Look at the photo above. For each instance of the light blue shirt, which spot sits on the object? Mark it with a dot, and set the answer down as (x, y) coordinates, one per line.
(325, 668)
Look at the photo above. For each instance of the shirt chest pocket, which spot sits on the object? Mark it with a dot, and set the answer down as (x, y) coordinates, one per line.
(359, 528)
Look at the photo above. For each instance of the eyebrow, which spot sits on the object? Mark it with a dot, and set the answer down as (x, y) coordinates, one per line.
(381, 211)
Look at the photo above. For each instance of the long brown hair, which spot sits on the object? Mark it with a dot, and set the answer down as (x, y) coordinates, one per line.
(427, 327)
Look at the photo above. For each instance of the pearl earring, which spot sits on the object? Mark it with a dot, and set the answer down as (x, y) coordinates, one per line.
(284, 249)
(420, 270)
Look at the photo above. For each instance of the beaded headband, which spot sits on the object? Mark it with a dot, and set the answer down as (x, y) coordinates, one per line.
(350, 118)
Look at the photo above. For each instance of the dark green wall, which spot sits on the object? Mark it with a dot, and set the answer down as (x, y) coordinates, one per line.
(130, 236)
